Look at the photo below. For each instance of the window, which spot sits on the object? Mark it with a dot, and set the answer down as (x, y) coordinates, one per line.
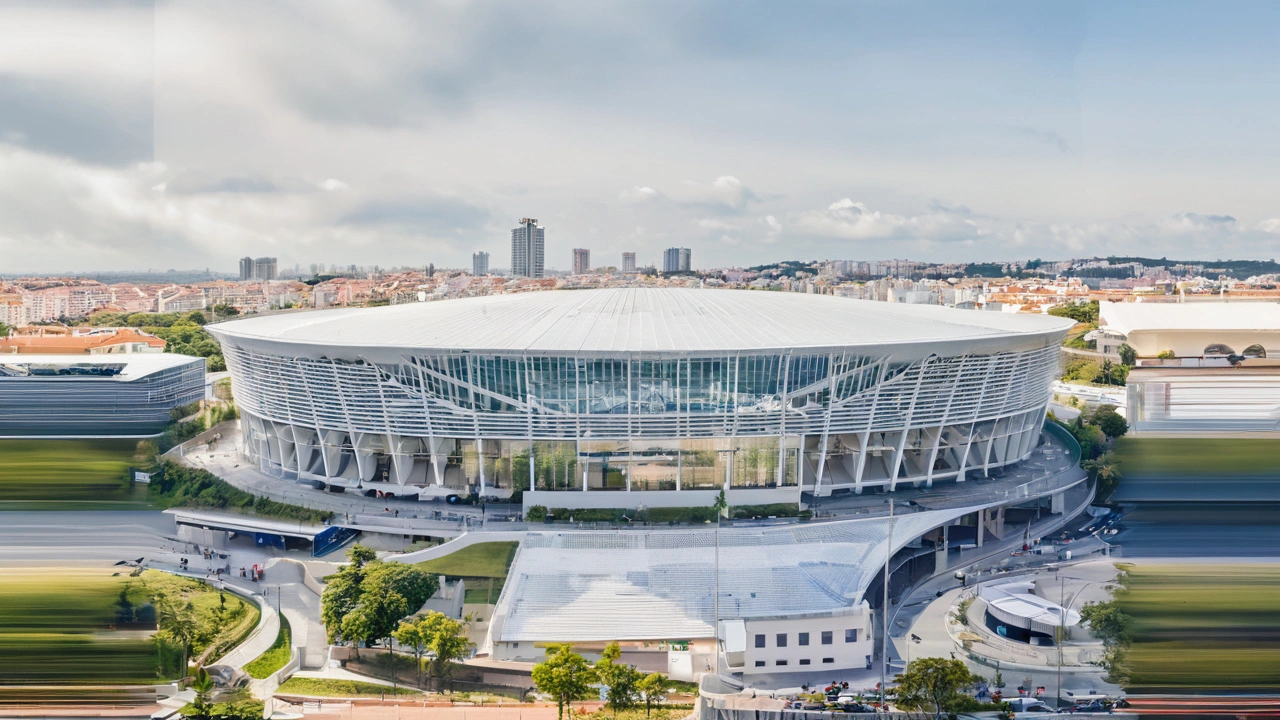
(759, 640)
(804, 638)
(804, 661)
(782, 639)
(851, 636)
(759, 663)
(828, 661)
(826, 637)
(781, 662)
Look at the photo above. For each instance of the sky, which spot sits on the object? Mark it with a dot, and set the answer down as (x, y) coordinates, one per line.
(183, 134)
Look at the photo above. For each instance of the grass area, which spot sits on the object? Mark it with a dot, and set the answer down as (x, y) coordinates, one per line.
(482, 566)
(276, 656)
(1203, 457)
(326, 687)
(1203, 626)
(78, 474)
(97, 626)
(482, 560)
(483, 591)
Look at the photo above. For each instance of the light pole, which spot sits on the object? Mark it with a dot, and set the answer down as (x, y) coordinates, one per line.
(1062, 621)
(884, 641)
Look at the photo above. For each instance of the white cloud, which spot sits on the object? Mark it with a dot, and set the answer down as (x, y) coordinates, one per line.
(849, 220)
(725, 192)
(639, 194)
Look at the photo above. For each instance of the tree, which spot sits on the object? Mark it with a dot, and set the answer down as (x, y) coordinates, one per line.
(1107, 472)
(1106, 373)
(1128, 355)
(564, 675)
(1107, 622)
(410, 635)
(195, 317)
(394, 590)
(1111, 423)
(933, 682)
(341, 596)
(4, 330)
(203, 685)
(620, 679)
(653, 688)
(177, 622)
(358, 626)
(449, 642)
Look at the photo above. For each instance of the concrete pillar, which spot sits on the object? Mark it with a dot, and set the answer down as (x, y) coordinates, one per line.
(982, 525)
(1058, 503)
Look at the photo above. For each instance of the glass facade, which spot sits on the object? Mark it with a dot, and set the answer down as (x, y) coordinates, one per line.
(645, 422)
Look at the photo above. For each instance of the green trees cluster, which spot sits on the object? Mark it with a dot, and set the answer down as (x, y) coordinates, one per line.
(365, 601)
(567, 676)
(1090, 371)
(1086, 313)
(1109, 623)
(1095, 431)
(935, 684)
(440, 638)
(184, 332)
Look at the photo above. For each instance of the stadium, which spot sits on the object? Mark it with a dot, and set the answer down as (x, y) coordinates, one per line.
(626, 398)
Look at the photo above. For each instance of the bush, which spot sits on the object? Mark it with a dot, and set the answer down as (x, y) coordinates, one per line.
(1166, 355)
(537, 513)
(174, 485)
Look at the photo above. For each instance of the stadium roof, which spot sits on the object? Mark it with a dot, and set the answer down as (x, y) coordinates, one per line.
(1127, 318)
(132, 365)
(640, 320)
(649, 585)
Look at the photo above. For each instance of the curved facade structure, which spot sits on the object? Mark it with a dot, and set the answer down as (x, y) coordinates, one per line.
(628, 397)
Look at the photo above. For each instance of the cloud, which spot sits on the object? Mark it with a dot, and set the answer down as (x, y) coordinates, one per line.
(1047, 137)
(849, 220)
(78, 80)
(640, 194)
(202, 183)
(724, 193)
(1270, 225)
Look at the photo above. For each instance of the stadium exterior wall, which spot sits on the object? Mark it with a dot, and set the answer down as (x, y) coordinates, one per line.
(98, 396)
(622, 429)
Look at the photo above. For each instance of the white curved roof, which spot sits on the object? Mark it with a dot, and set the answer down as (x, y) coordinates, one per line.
(1130, 317)
(624, 320)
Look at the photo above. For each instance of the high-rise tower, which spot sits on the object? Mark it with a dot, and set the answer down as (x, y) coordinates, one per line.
(527, 244)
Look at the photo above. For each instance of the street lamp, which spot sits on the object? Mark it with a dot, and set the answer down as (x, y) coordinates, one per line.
(1062, 621)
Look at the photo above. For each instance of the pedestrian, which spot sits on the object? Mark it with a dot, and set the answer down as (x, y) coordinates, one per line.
(397, 512)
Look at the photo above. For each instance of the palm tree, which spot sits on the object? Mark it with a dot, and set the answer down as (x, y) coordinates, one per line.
(177, 621)
(203, 685)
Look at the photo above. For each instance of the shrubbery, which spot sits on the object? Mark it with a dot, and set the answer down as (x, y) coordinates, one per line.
(174, 485)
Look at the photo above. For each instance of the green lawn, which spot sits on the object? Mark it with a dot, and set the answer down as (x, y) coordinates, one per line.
(1200, 457)
(276, 656)
(482, 560)
(325, 687)
(482, 566)
(67, 474)
(1204, 626)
